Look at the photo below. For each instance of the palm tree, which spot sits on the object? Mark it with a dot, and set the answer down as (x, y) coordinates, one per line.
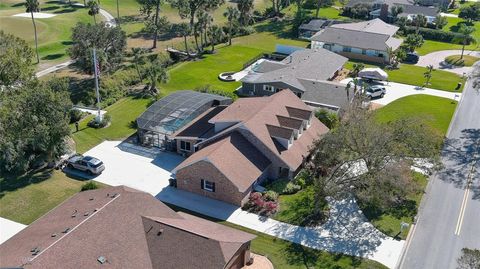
(231, 14)
(356, 69)
(156, 72)
(138, 60)
(118, 14)
(319, 5)
(34, 6)
(465, 31)
(93, 9)
(419, 21)
(204, 20)
(245, 7)
(428, 74)
(216, 35)
(184, 30)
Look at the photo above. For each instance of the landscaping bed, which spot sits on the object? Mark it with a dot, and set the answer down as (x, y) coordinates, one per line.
(456, 60)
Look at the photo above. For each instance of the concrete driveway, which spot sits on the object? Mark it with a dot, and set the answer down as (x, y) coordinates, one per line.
(397, 90)
(437, 60)
(146, 169)
(9, 228)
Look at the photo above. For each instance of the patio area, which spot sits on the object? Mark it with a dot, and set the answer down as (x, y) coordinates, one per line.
(259, 262)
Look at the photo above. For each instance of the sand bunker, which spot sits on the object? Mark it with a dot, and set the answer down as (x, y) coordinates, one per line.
(36, 15)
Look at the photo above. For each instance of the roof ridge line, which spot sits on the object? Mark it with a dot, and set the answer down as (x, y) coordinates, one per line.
(74, 228)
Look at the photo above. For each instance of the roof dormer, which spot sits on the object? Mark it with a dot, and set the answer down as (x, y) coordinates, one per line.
(282, 135)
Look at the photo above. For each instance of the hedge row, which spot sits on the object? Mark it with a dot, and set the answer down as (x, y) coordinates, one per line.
(436, 35)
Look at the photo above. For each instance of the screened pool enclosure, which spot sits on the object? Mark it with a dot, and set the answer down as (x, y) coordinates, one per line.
(169, 114)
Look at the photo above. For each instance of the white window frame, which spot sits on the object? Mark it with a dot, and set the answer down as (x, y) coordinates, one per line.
(268, 88)
(206, 183)
(184, 148)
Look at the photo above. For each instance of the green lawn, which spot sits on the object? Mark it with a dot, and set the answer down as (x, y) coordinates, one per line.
(298, 208)
(436, 111)
(53, 33)
(389, 222)
(453, 25)
(287, 255)
(190, 75)
(26, 198)
(413, 75)
(459, 61)
(122, 112)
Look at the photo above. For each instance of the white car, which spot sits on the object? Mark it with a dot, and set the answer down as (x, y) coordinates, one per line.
(375, 91)
(91, 165)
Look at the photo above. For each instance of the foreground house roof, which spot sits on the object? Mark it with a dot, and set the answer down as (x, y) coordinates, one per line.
(119, 227)
(264, 118)
(374, 34)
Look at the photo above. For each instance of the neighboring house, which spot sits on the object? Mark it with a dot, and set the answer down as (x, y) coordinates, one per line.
(307, 30)
(408, 11)
(305, 72)
(366, 41)
(246, 143)
(119, 227)
(382, 8)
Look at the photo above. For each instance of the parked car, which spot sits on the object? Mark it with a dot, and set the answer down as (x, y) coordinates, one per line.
(375, 91)
(91, 165)
(411, 58)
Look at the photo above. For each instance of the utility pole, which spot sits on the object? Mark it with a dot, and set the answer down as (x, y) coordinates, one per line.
(96, 71)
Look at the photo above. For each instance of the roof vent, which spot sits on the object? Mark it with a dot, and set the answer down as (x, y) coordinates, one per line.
(35, 251)
(91, 199)
(86, 213)
(66, 230)
(114, 195)
(160, 232)
(102, 260)
(74, 214)
(54, 235)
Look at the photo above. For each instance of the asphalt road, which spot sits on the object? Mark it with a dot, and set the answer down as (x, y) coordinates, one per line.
(449, 217)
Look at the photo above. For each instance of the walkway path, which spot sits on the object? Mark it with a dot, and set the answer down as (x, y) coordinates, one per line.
(9, 228)
(397, 90)
(347, 231)
(449, 15)
(437, 60)
(109, 20)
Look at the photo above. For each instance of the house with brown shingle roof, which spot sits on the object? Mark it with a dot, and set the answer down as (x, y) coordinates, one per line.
(250, 141)
(119, 227)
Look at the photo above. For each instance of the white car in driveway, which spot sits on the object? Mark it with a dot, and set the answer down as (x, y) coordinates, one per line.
(91, 165)
(375, 91)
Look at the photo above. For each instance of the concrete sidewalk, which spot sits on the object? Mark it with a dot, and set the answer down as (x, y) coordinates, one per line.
(347, 231)
(9, 228)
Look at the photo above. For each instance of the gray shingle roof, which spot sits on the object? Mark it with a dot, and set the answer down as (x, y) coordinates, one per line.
(373, 34)
(325, 93)
(413, 10)
(313, 25)
(318, 64)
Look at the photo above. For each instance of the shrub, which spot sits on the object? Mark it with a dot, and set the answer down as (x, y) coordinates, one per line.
(270, 196)
(245, 30)
(75, 115)
(90, 185)
(330, 119)
(105, 120)
(436, 35)
(260, 204)
(291, 188)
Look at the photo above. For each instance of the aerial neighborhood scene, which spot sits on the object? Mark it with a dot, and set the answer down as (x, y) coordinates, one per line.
(229, 134)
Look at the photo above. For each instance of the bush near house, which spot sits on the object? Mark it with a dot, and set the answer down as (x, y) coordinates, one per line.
(262, 204)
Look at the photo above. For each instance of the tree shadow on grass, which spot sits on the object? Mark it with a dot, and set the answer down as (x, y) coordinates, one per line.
(456, 27)
(296, 255)
(67, 43)
(53, 56)
(65, 10)
(50, 8)
(11, 183)
(301, 210)
(281, 29)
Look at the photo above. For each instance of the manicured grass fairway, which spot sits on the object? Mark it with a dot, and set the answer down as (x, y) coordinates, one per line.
(53, 33)
(287, 255)
(122, 112)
